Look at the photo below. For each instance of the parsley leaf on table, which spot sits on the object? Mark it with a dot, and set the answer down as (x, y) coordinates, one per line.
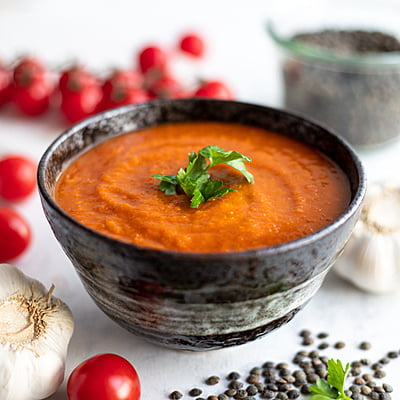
(195, 181)
(333, 387)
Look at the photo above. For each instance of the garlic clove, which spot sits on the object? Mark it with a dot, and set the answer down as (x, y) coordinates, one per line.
(371, 258)
(35, 329)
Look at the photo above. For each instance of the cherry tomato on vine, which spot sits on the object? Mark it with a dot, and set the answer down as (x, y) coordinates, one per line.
(153, 59)
(104, 377)
(215, 90)
(32, 87)
(120, 78)
(165, 87)
(5, 85)
(27, 66)
(123, 97)
(74, 77)
(81, 94)
(15, 234)
(192, 44)
(17, 177)
(123, 87)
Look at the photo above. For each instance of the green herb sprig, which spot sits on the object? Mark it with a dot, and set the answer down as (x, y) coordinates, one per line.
(195, 181)
(333, 387)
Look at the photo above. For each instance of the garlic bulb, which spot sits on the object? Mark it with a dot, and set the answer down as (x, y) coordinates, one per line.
(35, 329)
(371, 258)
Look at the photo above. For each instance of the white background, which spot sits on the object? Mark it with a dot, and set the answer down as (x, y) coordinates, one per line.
(104, 34)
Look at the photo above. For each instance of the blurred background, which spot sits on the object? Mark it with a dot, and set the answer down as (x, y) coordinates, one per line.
(104, 34)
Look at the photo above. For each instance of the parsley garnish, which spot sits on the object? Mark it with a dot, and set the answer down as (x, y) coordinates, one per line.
(333, 387)
(195, 181)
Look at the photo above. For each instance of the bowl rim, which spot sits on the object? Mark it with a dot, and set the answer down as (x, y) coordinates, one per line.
(292, 245)
(315, 53)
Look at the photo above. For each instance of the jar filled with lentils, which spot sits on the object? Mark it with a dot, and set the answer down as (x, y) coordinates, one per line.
(344, 70)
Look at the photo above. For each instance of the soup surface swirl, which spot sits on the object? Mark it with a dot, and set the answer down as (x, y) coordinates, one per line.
(110, 188)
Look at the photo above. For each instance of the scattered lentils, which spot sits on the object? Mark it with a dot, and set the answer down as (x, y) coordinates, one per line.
(278, 381)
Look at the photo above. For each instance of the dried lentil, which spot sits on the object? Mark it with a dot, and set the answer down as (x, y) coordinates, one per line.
(380, 373)
(234, 375)
(256, 371)
(268, 394)
(365, 346)
(366, 390)
(195, 392)
(305, 389)
(340, 345)
(236, 385)
(384, 360)
(253, 378)
(240, 394)
(387, 388)
(251, 390)
(230, 392)
(359, 381)
(323, 346)
(213, 380)
(260, 386)
(307, 341)
(175, 395)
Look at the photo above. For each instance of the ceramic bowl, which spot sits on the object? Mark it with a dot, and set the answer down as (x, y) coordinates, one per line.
(198, 301)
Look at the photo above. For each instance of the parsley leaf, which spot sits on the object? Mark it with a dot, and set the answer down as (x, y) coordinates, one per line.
(195, 181)
(333, 387)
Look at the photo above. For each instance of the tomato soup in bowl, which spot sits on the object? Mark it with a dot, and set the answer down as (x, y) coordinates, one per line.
(216, 273)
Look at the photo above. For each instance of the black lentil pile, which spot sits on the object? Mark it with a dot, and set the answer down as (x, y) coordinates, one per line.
(292, 380)
(351, 42)
(360, 102)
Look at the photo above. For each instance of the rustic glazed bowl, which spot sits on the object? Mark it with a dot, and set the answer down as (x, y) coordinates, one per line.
(198, 301)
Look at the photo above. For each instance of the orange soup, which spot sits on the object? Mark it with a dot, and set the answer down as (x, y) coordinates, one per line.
(296, 191)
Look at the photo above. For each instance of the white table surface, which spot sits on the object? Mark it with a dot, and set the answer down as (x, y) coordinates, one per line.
(104, 34)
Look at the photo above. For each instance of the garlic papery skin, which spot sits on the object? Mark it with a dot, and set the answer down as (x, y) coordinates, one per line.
(35, 330)
(371, 258)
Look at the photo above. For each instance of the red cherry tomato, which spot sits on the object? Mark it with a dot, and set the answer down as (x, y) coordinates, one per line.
(120, 78)
(17, 177)
(215, 90)
(165, 87)
(74, 77)
(5, 85)
(26, 67)
(122, 87)
(81, 94)
(125, 96)
(104, 377)
(77, 106)
(32, 87)
(192, 44)
(33, 98)
(152, 58)
(15, 234)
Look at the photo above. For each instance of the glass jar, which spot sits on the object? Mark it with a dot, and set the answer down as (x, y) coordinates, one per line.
(355, 94)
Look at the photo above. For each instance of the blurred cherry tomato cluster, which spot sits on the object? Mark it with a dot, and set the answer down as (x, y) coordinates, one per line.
(78, 93)
(17, 182)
